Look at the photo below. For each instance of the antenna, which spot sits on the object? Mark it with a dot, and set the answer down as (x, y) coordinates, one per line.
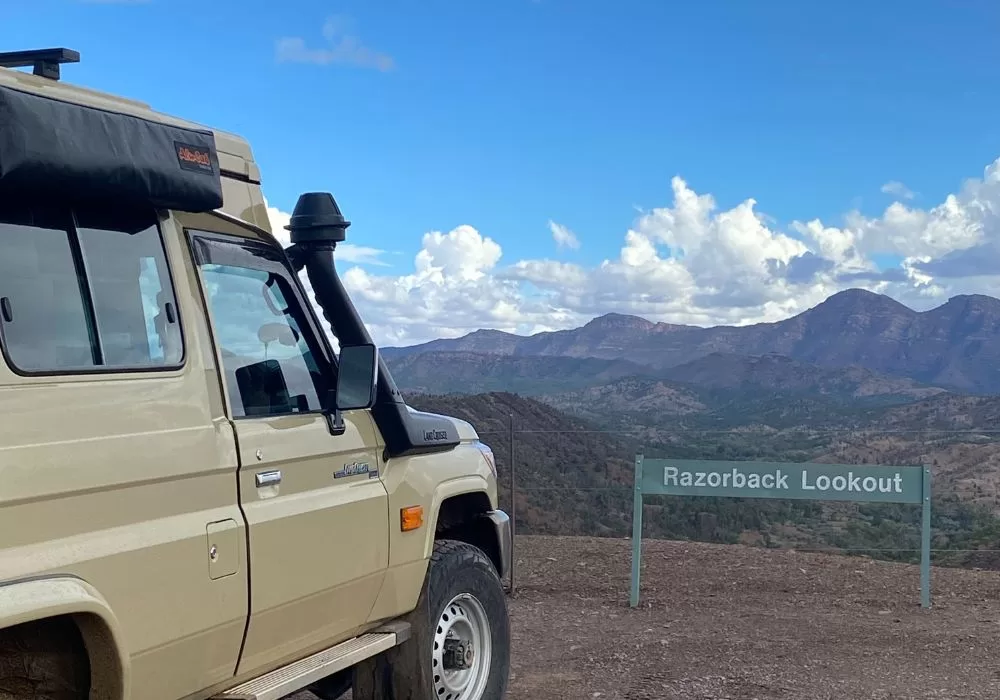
(44, 62)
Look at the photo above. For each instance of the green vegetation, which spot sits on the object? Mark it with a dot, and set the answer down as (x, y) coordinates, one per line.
(574, 477)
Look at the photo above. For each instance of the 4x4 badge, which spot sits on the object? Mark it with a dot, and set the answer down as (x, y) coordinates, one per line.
(352, 469)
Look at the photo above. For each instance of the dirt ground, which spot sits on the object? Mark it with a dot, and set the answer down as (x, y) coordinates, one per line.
(739, 623)
(746, 623)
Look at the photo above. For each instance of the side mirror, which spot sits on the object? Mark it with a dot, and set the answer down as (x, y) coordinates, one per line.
(356, 377)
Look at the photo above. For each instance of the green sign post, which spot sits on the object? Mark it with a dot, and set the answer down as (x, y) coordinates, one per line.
(811, 481)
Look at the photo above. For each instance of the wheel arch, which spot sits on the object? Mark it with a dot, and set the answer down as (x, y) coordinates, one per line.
(462, 517)
(52, 600)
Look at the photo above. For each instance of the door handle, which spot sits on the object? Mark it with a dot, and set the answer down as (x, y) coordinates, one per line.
(268, 478)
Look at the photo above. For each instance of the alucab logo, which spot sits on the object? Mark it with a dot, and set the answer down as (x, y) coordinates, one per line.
(194, 158)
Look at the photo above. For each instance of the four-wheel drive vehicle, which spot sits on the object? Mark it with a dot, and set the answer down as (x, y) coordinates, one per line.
(199, 498)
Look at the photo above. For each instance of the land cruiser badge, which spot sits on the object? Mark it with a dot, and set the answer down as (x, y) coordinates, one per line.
(352, 469)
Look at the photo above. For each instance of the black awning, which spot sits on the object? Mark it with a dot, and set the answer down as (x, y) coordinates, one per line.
(55, 150)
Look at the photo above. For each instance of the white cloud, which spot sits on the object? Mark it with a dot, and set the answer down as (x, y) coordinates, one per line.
(898, 189)
(462, 254)
(341, 46)
(687, 262)
(563, 237)
(346, 252)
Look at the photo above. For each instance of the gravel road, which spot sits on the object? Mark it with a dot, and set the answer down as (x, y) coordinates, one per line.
(739, 623)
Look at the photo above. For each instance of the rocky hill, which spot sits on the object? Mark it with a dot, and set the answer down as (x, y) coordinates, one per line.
(574, 475)
(783, 374)
(560, 461)
(859, 379)
(956, 345)
(718, 388)
(467, 372)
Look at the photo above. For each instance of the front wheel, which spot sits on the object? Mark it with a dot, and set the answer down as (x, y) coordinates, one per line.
(460, 643)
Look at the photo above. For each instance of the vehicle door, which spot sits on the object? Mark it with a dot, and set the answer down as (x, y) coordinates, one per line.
(315, 509)
(117, 469)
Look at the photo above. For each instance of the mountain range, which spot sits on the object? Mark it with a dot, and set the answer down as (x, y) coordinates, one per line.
(955, 346)
(858, 379)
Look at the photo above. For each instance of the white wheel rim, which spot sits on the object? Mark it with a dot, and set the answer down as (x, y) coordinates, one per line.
(460, 659)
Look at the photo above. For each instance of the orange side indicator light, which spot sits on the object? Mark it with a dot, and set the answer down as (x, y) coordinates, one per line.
(411, 518)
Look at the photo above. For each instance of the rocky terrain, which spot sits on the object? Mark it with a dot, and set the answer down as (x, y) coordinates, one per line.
(859, 379)
(444, 372)
(574, 474)
(466, 372)
(743, 623)
(783, 374)
(737, 390)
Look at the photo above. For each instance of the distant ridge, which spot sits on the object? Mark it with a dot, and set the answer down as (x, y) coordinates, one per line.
(955, 345)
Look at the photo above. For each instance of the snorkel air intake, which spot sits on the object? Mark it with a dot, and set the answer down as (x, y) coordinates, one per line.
(317, 217)
(316, 227)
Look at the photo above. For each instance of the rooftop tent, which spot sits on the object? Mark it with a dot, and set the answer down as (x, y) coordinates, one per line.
(55, 149)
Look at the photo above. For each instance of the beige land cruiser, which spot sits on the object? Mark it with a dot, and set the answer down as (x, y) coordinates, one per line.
(199, 498)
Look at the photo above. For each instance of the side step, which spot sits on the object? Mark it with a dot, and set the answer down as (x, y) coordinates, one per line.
(296, 676)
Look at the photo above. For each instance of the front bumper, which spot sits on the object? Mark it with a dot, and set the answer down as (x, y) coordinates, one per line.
(501, 524)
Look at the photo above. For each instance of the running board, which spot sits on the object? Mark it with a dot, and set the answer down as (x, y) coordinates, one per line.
(300, 674)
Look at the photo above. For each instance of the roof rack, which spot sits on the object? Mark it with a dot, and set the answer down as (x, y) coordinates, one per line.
(44, 62)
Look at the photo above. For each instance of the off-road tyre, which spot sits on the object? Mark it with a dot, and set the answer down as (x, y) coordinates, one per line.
(455, 568)
(43, 661)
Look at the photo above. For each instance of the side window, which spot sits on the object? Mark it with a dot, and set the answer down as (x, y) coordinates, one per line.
(271, 361)
(85, 290)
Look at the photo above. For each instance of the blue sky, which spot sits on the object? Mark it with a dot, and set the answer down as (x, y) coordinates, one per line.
(504, 115)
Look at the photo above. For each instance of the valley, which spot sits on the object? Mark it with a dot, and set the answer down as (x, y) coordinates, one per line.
(859, 379)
